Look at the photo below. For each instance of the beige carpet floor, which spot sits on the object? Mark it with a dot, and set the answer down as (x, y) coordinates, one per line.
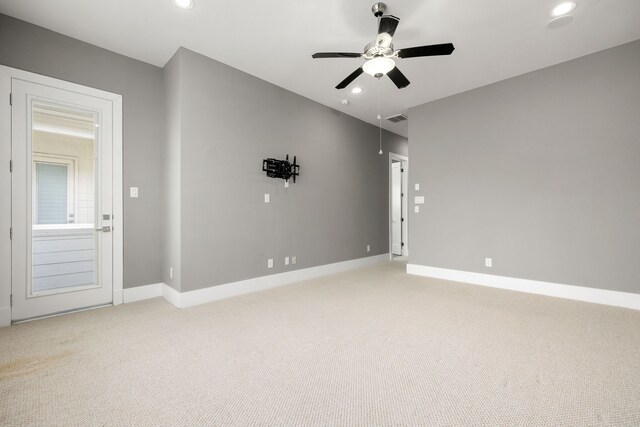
(371, 347)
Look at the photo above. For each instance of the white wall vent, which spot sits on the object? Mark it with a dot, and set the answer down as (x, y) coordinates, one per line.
(397, 118)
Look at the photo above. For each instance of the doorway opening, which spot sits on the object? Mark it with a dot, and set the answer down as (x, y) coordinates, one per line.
(65, 192)
(398, 207)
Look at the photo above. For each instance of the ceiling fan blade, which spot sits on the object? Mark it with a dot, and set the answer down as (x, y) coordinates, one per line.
(431, 50)
(388, 24)
(335, 55)
(346, 82)
(398, 78)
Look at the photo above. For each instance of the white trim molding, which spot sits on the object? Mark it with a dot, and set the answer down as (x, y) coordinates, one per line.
(171, 295)
(140, 293)
(573, 292)
(5, 197)
(118, 201)
(118, 296)
(228, 290)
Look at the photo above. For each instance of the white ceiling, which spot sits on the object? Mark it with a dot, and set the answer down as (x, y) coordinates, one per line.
(494, 40)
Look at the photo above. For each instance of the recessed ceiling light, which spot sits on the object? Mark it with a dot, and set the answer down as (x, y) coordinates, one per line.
(356, 90)
(563, 8)
(559, 22)
(183, 4)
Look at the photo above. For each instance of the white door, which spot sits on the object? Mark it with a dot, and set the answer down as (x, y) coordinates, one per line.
(61, 208)
(396, 208)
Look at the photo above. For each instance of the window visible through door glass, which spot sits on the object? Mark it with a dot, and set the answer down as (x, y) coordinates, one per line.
(64, 191)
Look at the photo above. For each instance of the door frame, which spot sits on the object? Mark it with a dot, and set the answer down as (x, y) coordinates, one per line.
(6, 75)
(405, 180)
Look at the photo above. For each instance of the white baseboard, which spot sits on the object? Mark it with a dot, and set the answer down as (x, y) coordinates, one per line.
(214, 293)
(578, 293)
(140, 293)
(171, 295)
(5, 316)
(227, 290)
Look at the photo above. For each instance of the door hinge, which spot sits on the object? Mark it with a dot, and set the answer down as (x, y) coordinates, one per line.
(401, 194)
(402, 244)
(401, 219)
(10, 233)
(10, 99)
(10, 300)
(401, 170)
(10, 165)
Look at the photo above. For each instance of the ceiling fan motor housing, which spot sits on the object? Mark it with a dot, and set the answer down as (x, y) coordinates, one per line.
(374, 49)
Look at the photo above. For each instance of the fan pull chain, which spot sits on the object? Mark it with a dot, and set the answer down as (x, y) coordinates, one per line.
(379, 118)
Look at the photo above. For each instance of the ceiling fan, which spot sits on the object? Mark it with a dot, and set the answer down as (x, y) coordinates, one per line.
(380, 54)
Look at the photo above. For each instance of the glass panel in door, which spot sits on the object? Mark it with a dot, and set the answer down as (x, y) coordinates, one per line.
(63, 164)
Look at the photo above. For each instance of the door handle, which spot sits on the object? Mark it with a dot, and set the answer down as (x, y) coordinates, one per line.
(105, 229)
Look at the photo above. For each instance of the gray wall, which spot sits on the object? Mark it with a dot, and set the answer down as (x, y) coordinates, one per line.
(213, 226)
(230, 121)
(540, 172)
(32, 48)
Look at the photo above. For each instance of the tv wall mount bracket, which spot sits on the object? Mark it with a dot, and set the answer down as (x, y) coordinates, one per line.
(281, 168)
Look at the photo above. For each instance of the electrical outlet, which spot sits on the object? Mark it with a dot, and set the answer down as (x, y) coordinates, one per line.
(270, 263)
(416, 209)
(368, 248)
(488, 262)
(133, 192)
(417, 187)
(286, 184)
(267, 198)
(171, 272)
(293, 260)
(286, 260)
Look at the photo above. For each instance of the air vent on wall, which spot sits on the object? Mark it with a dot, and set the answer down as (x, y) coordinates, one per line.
(397, 118)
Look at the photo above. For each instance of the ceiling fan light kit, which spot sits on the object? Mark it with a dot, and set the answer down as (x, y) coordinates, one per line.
(380, 54)
(378, 66)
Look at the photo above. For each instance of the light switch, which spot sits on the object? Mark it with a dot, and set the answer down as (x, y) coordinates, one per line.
(286, 260)
(417, 187)
(270, 263)
(419, 200)
(294, 260)
(267, 198)
(133, 192)
(286, 184)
